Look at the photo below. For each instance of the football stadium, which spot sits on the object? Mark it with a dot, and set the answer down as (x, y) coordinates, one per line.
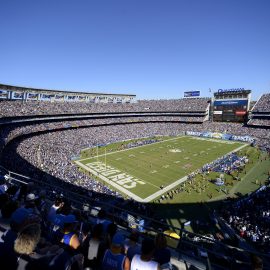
(148, 166)
(135, 135)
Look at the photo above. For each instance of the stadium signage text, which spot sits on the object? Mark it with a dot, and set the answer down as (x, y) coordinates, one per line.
(230, 102)
(223, 136)
(114, 175)
(230, 90)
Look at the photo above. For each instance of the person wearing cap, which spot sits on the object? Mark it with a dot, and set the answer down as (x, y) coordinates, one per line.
(30, 203)
(69, 237)
(144, 261)
(114, 259)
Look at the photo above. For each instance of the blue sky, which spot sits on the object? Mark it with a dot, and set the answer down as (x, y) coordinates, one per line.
(151, 48)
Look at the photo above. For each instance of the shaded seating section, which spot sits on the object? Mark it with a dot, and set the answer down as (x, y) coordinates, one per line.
(43, 230)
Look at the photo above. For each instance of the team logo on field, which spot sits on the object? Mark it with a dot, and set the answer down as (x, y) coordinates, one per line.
(114, 175)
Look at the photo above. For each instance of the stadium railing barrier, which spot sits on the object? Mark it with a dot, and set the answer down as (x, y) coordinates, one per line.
(192, 249)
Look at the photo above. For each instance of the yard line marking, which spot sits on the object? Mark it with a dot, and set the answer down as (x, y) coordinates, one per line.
(159, 192)
(110, 153)
(179, 181)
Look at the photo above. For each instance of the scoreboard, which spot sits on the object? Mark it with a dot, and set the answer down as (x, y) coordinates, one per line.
(231, 105)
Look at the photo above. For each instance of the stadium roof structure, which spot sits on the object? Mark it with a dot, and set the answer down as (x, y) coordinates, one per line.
(53, 91)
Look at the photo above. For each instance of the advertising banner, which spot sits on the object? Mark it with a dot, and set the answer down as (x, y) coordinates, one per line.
(230, 102)
(46, 97)
(71, 97)
(240, 112)
(192, 94)
(17, 95)
(32, 96)
(226, 136)
(193, 133)
(59, 98)
(243, 138)
(82, 98)
(207, 134)
(217, 135)
(3, 94)
(223, 136)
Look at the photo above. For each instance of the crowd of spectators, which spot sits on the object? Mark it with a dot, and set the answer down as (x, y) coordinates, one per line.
(49, 155)
(259, 122)
(250, 217)
(10, 132)
(52, 152)
(260, 114)
(263, 104)
(37, 233)
(19, 108)
(226, 164)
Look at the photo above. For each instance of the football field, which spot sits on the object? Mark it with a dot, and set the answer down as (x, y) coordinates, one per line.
(139, 172)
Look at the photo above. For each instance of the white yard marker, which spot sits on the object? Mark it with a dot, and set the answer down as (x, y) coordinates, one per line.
(154, 195)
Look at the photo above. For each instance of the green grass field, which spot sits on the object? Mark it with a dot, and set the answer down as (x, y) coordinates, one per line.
(139, 172)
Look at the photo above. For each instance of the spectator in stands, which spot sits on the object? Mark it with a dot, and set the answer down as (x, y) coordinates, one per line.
(92, 252)
(3, 187)
(102, 219)
(50, 257)
(69, 235)
(41, 203)
(144, 261)
(114, 258)
(19, 220)
(131, 245)
(162, 254)
(59, 218)
(30, 203)
(7, 210)
(58, 204)
(27, 239)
